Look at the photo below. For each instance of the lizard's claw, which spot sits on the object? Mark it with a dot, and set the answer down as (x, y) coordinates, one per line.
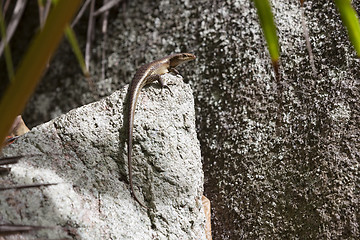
(174, 71)
(167, 87)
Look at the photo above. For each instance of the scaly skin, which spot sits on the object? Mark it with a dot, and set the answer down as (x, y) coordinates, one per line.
(146, 74)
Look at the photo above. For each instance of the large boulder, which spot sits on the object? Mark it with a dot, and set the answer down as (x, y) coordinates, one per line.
(84, 151)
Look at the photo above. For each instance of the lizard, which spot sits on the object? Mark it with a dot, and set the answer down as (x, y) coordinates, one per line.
(147, 74)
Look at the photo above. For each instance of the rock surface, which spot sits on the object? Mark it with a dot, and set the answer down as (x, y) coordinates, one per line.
(84, 152)
(295, 180)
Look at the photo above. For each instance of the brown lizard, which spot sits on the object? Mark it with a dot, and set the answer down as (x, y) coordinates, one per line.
(146, 74)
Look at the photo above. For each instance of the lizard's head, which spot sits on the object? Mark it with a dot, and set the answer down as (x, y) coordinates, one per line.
(179, 58)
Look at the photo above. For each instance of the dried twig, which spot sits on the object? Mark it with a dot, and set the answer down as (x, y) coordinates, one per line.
(15, 18)
(10, 229)
(4, 170)
(15, 159)
(106, 7)
(46, 10)
(10, 160)
(41, 14)
(103, 44)
(80, 14)
(37, 185)
(6, 5)
(89, 34)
